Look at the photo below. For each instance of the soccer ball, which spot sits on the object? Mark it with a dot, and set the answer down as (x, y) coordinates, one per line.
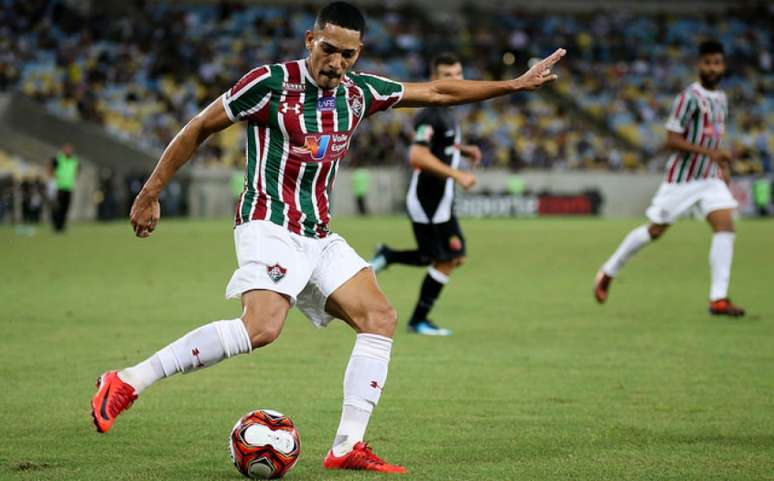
(264, 444)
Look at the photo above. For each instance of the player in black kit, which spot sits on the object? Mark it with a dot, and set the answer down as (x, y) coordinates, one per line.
(435, 156)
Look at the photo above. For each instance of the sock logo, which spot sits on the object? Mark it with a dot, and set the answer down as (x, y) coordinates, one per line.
(375, 385)
(195, 353)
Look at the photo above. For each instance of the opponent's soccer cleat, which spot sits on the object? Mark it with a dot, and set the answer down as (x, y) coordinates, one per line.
(428, 328)
(361, 457)
(601, 286)
(113, 397)
(379, 261)
(724, 307)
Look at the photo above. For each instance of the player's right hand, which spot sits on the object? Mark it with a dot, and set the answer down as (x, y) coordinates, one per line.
(465, 179)
(720, 156)
(145, 214)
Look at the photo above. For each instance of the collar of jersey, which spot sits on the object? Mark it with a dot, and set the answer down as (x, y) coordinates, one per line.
(707, 93)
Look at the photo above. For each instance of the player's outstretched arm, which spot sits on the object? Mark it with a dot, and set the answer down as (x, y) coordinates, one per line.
(146, 211)
(455, 92)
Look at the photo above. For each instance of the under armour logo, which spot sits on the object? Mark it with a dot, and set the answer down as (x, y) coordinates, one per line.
(296, 108)
(195, 353)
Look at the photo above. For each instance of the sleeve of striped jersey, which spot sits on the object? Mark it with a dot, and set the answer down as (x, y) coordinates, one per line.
(381, 93)
(249, 95)
(683, 109)
(424, 128)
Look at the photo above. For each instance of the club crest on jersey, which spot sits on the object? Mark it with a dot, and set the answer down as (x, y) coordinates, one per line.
(296, 108)
(326, 104)
(356, 105)
(276, 272)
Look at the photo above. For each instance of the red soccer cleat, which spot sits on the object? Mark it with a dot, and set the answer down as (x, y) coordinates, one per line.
(724, 307)
(601, 286)
(112, 398)
(361, 457)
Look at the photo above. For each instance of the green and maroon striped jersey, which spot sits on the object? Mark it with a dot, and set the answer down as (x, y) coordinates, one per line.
(700, 116)
(297, 133)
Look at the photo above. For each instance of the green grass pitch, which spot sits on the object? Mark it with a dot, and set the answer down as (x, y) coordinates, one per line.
(537, 383)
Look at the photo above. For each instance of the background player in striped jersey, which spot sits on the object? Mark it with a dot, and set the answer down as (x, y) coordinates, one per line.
(697, 175)
(300, 117)
(435, 156)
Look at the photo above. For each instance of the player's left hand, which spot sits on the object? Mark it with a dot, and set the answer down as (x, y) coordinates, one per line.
(473, 153)
(145, 214)
(540, 73)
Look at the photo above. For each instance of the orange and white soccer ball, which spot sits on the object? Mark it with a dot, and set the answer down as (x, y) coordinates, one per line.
(264, 444)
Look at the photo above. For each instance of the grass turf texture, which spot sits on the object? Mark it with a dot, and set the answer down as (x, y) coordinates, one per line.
(537, 383)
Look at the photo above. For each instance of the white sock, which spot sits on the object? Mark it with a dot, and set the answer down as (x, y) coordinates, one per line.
(363, 383)
(199, 348)
(632, 243)
(720, 257)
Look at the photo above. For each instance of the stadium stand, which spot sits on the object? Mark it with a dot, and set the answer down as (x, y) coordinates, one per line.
(143, 76)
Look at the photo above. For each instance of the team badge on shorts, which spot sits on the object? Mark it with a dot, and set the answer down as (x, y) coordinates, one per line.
(276, 272)
(455, 243)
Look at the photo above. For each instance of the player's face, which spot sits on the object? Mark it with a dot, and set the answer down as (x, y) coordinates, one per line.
(448, 72)
(711, 69)
(333, 51)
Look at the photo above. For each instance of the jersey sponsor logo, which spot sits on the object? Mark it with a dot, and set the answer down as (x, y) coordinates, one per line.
(424, 133)
(326, 104)
(276, 272)
(356, 104)
(296, 108)
(319, 146)
(292, 87)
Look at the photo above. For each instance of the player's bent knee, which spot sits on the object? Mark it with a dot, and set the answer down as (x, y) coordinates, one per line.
(446, 267)
(264, 322)
(380, 320)
(262, 333)
(656, 231)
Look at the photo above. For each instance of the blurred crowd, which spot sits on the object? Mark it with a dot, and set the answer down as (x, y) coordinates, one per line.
(142, 69)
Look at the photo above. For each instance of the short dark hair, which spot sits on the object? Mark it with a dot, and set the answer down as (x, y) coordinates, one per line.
(709, 47)
(341, 14)
(443, 58)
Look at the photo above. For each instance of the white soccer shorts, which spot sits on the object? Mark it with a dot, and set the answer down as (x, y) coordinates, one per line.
(305, 269)
(673, 200)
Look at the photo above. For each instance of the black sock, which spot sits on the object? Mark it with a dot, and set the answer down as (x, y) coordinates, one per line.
(429, 292)
(409, 258)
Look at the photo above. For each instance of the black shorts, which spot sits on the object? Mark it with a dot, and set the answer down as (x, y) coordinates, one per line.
(440, 242)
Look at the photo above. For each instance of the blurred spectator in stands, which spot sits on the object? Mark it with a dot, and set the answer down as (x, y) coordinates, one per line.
(361, 184)
(762, 195)
(32, 196)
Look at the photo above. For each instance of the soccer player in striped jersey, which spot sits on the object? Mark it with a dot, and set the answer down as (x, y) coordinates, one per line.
(300, 117)
(435, 156)
(697, 175)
